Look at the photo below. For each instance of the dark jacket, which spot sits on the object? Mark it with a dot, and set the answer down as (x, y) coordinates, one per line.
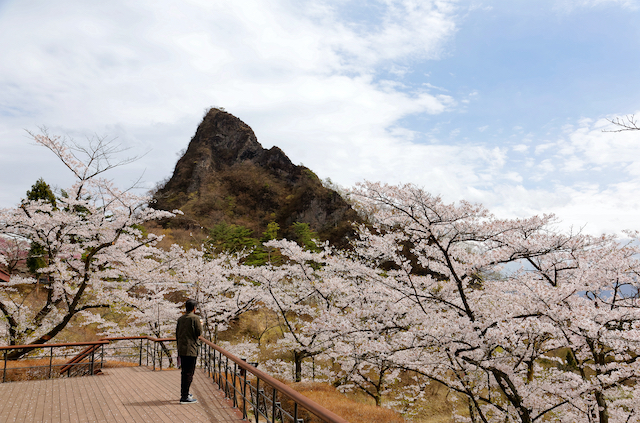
(188, 330)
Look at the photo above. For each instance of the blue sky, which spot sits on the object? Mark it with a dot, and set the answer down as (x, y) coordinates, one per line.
(498, 102)
(538, 68)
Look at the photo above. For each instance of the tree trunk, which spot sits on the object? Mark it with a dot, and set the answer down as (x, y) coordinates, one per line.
(297, 360)
(378, 399)
(603, 412)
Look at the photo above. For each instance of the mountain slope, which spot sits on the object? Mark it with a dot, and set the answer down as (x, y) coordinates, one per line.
(227, 176)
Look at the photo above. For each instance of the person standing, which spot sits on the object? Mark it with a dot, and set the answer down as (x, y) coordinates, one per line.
(188, 329)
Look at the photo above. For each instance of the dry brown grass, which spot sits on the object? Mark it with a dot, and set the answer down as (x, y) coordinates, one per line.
(184, 237)
(357, 407)
(349, 409)
(32, 369)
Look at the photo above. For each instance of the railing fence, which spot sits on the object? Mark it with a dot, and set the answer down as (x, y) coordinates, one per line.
(260, 397)
(46, 361)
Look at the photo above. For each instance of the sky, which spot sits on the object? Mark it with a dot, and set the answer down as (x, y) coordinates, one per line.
(501, 102)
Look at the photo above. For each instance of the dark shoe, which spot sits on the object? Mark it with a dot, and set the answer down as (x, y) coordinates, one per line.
(188, 400)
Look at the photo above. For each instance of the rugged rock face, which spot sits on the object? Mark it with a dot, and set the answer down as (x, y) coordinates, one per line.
(227, 176)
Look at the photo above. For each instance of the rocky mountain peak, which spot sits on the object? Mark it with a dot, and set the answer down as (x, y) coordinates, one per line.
(226, 176)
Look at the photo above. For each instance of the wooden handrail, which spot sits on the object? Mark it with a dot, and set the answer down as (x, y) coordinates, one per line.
(80, 344)
(78, 358)
(310, 405)
(128, 338)
(66, 344)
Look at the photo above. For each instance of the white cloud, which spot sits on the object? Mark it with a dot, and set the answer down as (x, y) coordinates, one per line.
(541, 148)
(400, 71)
(606, 148)
(428, 85)
(597, 186)
(545, 167)
(573, 164)
(513, 176)
(147, 70)
(305, 77)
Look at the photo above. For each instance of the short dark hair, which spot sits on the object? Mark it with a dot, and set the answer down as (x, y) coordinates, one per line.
(190, 305)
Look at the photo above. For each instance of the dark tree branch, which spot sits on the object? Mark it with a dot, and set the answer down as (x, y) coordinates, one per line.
(627, 123)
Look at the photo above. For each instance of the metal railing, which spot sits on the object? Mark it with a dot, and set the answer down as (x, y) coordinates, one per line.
(47, 359)
(260, 397)
(56, 360)
(145, 350)
(84, 363)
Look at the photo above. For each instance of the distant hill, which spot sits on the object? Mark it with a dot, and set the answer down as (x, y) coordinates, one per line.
(226, 176)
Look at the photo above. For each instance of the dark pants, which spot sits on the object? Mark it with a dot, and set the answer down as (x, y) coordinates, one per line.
(188, 366)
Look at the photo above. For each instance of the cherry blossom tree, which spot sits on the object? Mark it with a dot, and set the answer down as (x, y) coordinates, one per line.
(521, 320)
(357, 325)
(88, 239)
(494, 334)
(14, 251)
(362, 366)
(219, 284)
(306, 288)
(590, 295)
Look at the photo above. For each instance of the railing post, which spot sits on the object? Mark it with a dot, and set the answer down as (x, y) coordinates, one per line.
(160, 358)
(50, 361)
(226, 377)
(4, 372)
(233, 379)
(213, 365)
(154, 356)
(244, 396)
(205, 359)
(93, 355)
(209, 372)
(140, 359)
(147, 352)
(102, 357)
(256, 406)
(220, 370)
(273, 406)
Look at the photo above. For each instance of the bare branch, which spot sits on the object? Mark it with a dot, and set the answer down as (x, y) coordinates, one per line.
(85, 161)
(627, 123)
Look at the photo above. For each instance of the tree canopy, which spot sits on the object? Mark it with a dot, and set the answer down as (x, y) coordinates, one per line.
(520, 321)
